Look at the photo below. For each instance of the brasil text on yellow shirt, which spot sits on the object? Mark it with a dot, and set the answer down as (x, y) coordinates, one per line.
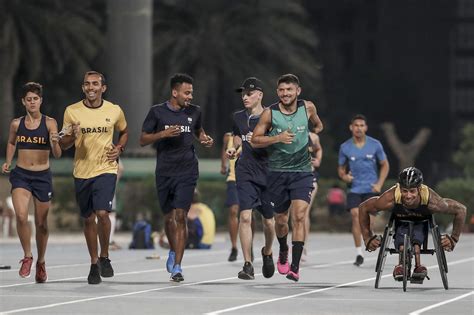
(95, 139)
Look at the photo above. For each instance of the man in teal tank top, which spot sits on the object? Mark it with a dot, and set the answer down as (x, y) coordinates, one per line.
(283, 128)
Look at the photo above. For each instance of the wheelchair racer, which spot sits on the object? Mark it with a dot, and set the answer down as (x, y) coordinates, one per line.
(411, 200)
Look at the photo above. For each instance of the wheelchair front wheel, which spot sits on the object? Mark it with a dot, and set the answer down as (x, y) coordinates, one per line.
(406, 260)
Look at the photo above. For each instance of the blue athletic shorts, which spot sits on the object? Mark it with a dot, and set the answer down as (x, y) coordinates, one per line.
(231, 194)
(251, 196)
(402, 228)
(39, 183)
(283, 187)
(95, 193)
(175, 192)
(354, 200)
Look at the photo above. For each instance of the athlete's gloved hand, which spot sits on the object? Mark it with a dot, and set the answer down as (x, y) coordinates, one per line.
(448, 242)
(373, 243)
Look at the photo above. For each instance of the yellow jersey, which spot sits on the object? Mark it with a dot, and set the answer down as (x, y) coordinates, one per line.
(208, 222)
(95, 139)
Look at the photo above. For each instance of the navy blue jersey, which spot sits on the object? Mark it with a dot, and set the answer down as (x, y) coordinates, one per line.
(33, 139)
(252, 163)
(175, 156)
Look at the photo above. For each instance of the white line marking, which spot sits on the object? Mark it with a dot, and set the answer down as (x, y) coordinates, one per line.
(311, 292)
(144, 291)
(417, 312)
(121, 274)
(122, 261)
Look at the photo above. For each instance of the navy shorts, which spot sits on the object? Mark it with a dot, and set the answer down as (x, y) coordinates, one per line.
(175, 192)
(95, 193)
(39, 183)
(231, 194)
(402, 228)
(251, 196)
(354, 200)
(283, 187)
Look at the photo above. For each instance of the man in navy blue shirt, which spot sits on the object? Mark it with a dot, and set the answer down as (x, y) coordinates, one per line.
(359, 160)
(251, 179)
(171, 126)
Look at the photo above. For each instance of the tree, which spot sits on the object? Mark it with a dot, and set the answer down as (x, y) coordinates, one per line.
(40, 39)
(462, 188)
(405, 152)
(220, 43)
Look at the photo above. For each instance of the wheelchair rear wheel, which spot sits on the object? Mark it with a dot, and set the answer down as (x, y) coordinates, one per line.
(440, 256)
(382, 255)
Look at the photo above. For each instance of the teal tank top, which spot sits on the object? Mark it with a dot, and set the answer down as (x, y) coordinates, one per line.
(292, 157)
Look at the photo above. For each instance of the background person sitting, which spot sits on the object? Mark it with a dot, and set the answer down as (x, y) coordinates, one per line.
(201, 225)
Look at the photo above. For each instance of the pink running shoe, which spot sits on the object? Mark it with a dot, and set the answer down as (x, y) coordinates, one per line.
(25, 267)
(295, 276)
(282, 264)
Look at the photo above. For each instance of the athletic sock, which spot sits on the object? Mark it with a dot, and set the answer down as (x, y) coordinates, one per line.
(296, 255)
(283, 243)
(359, 251)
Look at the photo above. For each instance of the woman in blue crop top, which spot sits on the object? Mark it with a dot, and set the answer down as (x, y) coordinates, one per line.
(34, 135)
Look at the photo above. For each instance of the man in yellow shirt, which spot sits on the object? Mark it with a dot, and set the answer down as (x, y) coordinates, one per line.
(89, 125)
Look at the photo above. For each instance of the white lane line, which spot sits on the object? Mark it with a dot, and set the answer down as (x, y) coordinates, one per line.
(111, 296)
(417, 312)
(230, 309)
(121, 274)
(122, 261)
(157, 270)
(151, 290)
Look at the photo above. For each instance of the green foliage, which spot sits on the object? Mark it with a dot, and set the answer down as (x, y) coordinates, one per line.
(460, 189)
(222, 42)
(464, 157)
(65, 211)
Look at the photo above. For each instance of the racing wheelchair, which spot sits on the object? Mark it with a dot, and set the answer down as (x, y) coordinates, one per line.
(408, 252)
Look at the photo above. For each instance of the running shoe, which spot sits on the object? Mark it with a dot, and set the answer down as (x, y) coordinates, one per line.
(106, 269)
(268, 268)
(282, 264)
(292, 275)
(177, 274)
(398, 273)
(170, 261)
(247, 272)
(419, 273)
(359, 260)
(25, 268)
(94, 275)
(233, 254)
(41, 275)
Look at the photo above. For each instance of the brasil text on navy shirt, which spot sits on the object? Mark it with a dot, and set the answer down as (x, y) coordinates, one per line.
(175, 156)
(252, 163)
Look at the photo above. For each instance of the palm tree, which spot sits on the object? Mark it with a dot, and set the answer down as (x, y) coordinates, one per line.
(222, 42)
(41, 39)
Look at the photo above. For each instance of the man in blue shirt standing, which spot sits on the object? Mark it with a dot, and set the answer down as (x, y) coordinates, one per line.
(359, 158)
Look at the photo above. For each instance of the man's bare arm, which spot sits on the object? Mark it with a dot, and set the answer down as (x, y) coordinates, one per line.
(259, 139)
(437, 204)
(313, 117)
(385, 202)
